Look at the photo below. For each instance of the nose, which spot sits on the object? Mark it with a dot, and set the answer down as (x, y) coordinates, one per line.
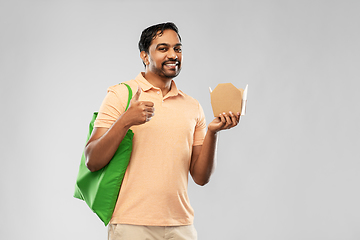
(172, 54)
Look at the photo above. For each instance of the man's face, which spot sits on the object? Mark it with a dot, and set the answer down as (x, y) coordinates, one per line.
(165, 55)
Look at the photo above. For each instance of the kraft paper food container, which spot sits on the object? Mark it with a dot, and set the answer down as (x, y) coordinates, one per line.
(226, 97)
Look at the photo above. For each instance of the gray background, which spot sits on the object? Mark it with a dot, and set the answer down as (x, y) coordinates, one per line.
(290, 170)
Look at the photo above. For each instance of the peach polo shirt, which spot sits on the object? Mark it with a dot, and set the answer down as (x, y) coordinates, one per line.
(154, 189)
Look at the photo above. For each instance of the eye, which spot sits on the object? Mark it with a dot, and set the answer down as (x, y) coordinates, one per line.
(179, 50)
(162, 49)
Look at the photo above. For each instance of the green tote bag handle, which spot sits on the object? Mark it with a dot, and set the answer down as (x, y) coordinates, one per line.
(100, 189)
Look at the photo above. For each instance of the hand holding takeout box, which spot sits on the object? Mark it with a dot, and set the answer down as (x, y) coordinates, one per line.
(226, 97)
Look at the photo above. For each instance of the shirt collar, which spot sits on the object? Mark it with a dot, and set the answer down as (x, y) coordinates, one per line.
(145, 86)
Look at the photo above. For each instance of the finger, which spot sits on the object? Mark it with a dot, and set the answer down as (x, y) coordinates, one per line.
(149, 116)
(238, 117)
(149, 109)
(228, 120)
(147, 103)
(233, 119)
(137, 94)
(222, 119)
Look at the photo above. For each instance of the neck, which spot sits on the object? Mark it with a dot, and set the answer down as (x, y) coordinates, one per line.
(157, 81)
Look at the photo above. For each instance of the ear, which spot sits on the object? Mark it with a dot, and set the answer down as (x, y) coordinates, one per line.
(145, 58)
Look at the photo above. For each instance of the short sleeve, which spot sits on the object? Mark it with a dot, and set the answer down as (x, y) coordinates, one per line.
(112, 106)
(200, 128)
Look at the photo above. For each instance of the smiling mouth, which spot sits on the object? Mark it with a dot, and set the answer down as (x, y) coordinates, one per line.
(172, 65)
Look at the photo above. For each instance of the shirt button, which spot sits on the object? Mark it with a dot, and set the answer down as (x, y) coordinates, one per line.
(158, 92)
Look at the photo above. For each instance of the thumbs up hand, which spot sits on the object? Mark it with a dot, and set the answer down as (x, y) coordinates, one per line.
(139, 112)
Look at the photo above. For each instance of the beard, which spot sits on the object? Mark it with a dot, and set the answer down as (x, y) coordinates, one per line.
(167, 73)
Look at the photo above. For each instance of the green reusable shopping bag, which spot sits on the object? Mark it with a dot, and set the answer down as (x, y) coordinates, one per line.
(100, 189)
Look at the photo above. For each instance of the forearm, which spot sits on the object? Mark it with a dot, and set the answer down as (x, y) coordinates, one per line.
(103, 143)
(205, 163)
(99, 152)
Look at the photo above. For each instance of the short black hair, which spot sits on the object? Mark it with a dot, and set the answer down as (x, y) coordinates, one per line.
(152, 32)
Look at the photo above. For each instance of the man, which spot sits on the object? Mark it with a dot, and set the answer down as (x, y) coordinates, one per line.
(170, 140)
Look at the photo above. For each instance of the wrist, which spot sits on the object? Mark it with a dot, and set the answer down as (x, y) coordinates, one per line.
(212, 131)
(124, 121)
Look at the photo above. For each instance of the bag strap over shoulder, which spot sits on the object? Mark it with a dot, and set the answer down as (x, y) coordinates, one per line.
(130, 95)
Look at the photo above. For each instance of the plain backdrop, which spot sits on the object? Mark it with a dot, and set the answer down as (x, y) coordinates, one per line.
(290, 170)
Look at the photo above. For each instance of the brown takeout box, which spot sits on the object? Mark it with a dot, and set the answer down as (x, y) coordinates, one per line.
(226, 97)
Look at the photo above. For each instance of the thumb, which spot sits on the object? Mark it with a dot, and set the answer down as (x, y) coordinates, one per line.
(137, 94)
